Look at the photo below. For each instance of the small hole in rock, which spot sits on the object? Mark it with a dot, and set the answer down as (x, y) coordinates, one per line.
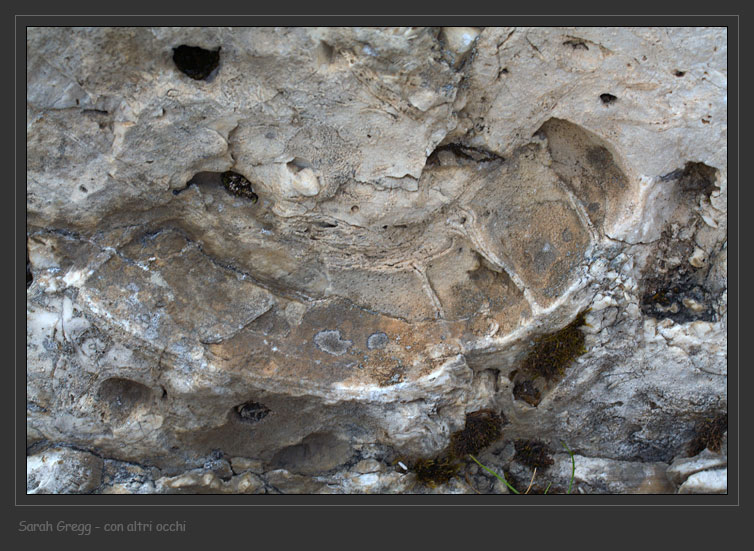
(607, 98)
(196, 62)
(83, 189)
(251, 412)
(238, 185)
(355, 209)
(122, 396)
(527, 392)
(298, 164)
(679, 73)
(698, 177)
(576, 44)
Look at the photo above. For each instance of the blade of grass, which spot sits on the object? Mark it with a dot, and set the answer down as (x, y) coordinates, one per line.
(531, 481)
(573, 467)
(500, 478)
(548, 487)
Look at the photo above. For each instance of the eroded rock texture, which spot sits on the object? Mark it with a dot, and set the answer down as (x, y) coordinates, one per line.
(296, 260)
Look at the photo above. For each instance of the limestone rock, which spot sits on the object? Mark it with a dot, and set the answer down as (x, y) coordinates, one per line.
(711, 466)
(126, 478)
(713, 481)
(63, 471)
(203, 482)
(417, 209)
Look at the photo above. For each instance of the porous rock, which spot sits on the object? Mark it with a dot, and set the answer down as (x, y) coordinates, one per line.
(420, 207)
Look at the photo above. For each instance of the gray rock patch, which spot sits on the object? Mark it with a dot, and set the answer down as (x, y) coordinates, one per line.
(377, 341)
(330, 341)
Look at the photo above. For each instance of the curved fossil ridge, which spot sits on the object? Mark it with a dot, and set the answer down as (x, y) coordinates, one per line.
(484, 261)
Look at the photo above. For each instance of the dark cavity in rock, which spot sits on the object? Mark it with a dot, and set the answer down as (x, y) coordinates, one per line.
(196, 62)
(461, 155)
(29, 275)
(251, 412)
(576, 44)
(698, 177)
(527, 392)
(239, 186)
(121, 396)
(678, 295)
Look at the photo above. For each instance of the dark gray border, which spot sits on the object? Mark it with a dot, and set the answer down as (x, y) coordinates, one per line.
(196, 509)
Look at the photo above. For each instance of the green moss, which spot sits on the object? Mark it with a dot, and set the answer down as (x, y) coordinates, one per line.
(436, 471)
(532, 453)
(482, 429)
(552, 353)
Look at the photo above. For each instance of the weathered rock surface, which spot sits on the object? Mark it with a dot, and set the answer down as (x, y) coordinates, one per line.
(62, 471)
(411, 211)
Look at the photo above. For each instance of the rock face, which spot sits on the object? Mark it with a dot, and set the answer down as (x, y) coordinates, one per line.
(296, 260)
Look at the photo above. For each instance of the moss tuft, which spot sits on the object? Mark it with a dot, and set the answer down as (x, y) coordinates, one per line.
(482, 429)
(709, 434)
(532, 453)
(552, 353)
(436, 471)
